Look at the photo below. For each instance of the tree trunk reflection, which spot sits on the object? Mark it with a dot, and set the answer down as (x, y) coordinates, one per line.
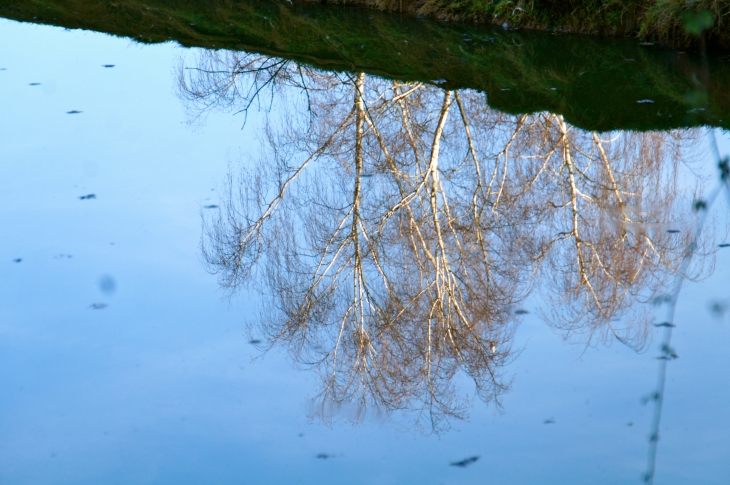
(394, 228)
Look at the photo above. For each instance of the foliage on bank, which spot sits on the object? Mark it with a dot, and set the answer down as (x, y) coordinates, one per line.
(598, 84)
(660, 20)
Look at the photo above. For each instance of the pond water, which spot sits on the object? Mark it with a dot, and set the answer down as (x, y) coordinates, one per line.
(224, 267)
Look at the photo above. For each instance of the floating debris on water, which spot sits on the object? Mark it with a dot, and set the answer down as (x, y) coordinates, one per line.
(719, 308)
(73, 112)
(665, 324)
(212, 206)
(108, 66)
(672, 231)
(549, 421)
(17, 260)
(87, 197)
(107, 285)
(34, 84)
(98, 306)
(668, 353)
(521, 311)
(465, 462)
(723, 245)
(645, 101)
(324, 456)
(254, 341)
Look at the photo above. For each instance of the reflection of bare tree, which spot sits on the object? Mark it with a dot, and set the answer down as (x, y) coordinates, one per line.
(609, 241)
(234, 81)
(395, 227)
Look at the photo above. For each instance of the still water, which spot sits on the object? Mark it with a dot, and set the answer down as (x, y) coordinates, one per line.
(438, 281)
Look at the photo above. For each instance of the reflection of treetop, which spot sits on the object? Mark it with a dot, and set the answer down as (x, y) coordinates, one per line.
(393, 228)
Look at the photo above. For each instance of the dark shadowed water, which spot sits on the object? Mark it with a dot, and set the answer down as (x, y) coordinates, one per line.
(229, 267)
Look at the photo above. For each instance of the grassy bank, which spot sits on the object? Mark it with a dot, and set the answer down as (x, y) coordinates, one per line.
(660, 20)
(595, 83)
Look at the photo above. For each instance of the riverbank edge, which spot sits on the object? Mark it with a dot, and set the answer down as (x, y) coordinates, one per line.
(600, 84)
(683, 24)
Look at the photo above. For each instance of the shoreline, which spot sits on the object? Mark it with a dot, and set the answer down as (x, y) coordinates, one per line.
(663, 21)
(597, 83)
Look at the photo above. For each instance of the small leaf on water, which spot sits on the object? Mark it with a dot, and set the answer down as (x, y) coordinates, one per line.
(719, 308)
(465, 462)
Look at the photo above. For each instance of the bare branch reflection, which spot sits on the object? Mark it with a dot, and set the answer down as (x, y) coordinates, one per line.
(393, 229)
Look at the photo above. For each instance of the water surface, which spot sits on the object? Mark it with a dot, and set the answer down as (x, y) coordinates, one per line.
(124, 360)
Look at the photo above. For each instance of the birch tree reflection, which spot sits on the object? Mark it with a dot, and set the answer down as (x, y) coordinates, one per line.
(393, 229)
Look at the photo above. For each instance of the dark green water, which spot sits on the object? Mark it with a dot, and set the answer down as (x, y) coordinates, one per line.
(595, 83)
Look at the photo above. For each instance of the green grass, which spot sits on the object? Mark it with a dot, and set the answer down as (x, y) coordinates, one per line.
(661, 20)
(678, 22)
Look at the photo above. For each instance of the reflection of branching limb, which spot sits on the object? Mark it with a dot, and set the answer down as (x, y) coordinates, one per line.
(392, 244)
